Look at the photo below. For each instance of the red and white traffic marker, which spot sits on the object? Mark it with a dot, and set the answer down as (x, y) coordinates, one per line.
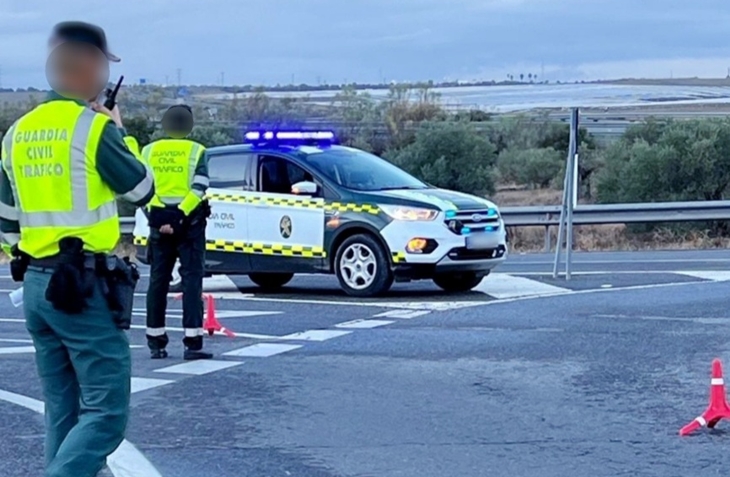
(718, 408)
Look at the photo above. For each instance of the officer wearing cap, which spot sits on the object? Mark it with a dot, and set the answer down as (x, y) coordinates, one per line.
(64, 164)
(177, 220)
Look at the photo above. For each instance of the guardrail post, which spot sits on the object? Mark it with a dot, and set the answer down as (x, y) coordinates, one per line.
(548, 239)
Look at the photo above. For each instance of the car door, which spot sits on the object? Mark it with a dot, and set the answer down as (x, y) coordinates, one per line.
(231, 186)
(286, 230)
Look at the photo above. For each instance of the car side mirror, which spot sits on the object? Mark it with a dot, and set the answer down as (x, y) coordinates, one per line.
(304, 188)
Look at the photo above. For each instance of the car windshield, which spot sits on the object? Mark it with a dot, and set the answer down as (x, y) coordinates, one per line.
(359, 170)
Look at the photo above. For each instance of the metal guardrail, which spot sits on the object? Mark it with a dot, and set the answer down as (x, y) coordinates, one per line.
(549, 215)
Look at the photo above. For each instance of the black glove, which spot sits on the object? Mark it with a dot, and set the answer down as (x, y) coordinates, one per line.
(170, 215)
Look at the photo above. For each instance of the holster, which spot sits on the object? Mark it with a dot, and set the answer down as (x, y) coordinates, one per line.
(19, 264)
(73, 278)
(119, 280)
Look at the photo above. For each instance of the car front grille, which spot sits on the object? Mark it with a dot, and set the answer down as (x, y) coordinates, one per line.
(476, 220)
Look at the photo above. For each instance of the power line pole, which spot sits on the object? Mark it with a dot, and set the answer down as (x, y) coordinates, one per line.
(167, 80)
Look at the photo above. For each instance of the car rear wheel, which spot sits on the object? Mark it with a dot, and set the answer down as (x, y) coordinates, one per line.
(271, 281)
(458, 281)
(362, 266)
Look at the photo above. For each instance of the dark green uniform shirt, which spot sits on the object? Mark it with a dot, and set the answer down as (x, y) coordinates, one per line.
(117, 165)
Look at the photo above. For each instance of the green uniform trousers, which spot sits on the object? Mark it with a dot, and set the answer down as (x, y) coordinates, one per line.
(84, 365)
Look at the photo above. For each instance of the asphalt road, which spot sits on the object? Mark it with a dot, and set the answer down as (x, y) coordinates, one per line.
(528, 376)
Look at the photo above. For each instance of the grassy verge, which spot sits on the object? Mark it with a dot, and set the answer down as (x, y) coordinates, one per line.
(595, 237)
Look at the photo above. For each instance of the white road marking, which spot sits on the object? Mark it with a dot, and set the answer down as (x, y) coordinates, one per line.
(145, 384)
(200, 367)
(701, 320)
(262, 350)
(177, 314)
(16, 341)
(315, 335)
(402, 314)
(126, 461)
(503, 285)
(363, 324)
(715, 276)
(219, 283)
(238, 335)
(17, 350)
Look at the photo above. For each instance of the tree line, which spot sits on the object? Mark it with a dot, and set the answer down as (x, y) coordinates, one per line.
(472, 151)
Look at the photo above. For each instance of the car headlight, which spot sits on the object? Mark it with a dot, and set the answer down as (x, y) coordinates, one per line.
(398, 212)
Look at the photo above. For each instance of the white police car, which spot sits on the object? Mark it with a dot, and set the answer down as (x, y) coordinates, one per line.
(289, 202)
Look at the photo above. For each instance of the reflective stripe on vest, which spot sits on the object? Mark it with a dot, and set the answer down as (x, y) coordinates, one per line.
(50, 158)
(173, 163)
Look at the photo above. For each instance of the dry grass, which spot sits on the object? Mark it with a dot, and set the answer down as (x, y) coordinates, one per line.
(594, 237)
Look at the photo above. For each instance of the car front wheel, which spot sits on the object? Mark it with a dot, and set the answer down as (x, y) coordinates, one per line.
(457, 281)
(362, 266)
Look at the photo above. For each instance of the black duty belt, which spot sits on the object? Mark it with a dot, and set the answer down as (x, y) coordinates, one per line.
(45, 262)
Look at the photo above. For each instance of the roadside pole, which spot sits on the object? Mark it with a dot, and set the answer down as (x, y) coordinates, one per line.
(570, 192)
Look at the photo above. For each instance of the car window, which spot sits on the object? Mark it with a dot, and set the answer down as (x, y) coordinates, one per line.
(277, 175)
(360, 170)
(229, 171)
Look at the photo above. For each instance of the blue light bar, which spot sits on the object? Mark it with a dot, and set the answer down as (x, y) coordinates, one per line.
(289, 136)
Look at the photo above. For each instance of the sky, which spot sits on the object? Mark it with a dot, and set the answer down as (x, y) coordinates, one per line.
(334, 41)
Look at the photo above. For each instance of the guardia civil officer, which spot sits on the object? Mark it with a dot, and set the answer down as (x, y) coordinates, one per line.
(177, 219)
(63, 166)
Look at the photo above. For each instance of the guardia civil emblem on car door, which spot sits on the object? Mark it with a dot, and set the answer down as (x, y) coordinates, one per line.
(285, 226)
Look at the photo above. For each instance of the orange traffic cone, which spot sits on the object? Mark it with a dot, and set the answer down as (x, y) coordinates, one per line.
(211, 324)
(718, 408)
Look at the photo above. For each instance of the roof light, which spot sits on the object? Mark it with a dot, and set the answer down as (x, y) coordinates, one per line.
(289, 136)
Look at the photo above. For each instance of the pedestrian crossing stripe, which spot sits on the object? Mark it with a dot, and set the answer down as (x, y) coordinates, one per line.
(300, 203)
(256, 248)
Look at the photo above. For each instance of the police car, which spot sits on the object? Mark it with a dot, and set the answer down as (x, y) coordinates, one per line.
(288, 202)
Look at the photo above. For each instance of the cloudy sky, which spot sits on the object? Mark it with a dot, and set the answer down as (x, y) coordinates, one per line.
(275, 41)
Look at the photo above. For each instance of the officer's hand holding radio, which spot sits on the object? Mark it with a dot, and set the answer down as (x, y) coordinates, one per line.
(114, 113)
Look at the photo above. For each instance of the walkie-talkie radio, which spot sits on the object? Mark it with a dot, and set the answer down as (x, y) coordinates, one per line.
(111, 95)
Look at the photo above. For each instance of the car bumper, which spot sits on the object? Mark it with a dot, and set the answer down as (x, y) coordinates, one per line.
(450, 252)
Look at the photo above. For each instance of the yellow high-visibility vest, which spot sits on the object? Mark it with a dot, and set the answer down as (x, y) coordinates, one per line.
(49, 155)
(172, 163)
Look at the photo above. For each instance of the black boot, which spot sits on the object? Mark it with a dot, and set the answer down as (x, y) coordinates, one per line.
(157, 345)
(194, 349)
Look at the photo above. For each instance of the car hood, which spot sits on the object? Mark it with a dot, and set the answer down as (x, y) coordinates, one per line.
(441, 198)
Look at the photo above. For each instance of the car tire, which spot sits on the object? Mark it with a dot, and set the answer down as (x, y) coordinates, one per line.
(458, 281)
(362, 266)
(271, 281)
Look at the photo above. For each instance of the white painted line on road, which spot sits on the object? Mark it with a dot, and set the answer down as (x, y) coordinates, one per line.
(11, 320)
(402, 314)
(198, 368)
(16, 341)
(595, 262)
(145, 384)
(218, 333)
(715, 276)
(126, 461)
(315, 335)
(17, 350)
(503, 285)
(219, 283)
(177, 314)
(262, 350)
(364, 324)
